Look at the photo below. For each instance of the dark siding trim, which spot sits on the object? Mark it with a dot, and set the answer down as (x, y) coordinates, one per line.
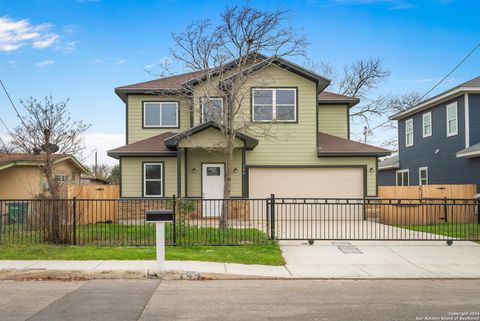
(179, 173)
(186, 172)
(244, 176)
(126, 120)
(121, 174)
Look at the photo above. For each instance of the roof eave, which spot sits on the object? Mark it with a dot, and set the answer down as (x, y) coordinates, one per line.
(349, 102)
(351, 153)
(434, 101)
(119, 154)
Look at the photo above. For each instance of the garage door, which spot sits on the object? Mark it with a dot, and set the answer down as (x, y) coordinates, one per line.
(306, 182)
(291, 216)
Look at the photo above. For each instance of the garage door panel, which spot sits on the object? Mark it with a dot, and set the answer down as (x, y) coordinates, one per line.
(337, 183)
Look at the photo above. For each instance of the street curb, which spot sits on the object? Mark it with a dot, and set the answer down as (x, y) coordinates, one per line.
(68, 275)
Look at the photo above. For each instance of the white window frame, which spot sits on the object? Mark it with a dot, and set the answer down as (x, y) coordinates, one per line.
(429, 114)
(410, 120)
(203, 106)
(452, 105)
(160, 104)
(402, 171)
(145, 180)
(274, 105)
(425, 168)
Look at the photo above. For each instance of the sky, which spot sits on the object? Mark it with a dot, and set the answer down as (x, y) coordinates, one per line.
(83, 49)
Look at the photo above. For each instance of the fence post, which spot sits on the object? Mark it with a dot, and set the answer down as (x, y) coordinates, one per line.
(74, 220)
(445, 210)
(174, 204)
(477, 201)
(272, 216)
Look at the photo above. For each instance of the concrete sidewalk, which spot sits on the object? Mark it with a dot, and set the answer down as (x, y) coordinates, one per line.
(323, 260)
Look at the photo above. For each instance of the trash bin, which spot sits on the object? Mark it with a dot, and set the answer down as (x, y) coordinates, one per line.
(17, 212)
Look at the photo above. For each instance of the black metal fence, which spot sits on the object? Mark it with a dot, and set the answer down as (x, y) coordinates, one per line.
(236, 221)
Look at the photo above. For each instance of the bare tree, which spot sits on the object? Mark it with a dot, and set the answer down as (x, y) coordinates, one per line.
(47, 126)
(226, 56)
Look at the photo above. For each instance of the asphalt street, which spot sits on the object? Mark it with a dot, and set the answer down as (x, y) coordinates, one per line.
(131, 300)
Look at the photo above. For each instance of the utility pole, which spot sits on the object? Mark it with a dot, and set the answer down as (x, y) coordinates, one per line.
(96, 166)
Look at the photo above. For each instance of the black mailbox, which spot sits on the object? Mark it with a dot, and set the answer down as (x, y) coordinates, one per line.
(159, 216)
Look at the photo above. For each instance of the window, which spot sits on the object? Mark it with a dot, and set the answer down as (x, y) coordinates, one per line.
(423, 175)
(160, 114)
(61, 178)
(427, 124)
(452, 119)
(274, 104)
(409, 132)
(153, 179)
(403, 177)
(212, 108)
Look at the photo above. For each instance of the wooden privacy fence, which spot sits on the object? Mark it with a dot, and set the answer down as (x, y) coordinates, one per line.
(426, 204)
(95, 211)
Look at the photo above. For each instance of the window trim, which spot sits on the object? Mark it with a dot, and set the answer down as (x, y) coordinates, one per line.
(406, 133)
(420, 169)
(402, 171)
(176, 102)
(162, 180)
(454, 104)
(423, 125)
(202, 113)
(274, 121)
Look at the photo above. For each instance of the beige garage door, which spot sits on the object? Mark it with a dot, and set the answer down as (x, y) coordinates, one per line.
(306, 182)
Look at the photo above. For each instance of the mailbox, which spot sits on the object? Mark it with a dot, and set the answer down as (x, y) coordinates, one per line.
(159, 216)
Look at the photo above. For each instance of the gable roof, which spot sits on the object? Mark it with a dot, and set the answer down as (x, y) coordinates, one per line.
(327, 97)
(154, 145)
(172, 142)
(329, 145)
(472, 85)
(182, 81)
(389, 163)
(15, 159)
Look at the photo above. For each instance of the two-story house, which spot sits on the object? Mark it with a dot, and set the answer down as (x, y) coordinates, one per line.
(438, 140)
(310, 155)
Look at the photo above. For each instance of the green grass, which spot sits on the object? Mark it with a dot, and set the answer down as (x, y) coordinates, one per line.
(267, 254)
(141, 234)
(454, 230)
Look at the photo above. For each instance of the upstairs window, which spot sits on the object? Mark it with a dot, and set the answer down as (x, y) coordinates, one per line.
(212, 108)
(452, 119)
(427, 124)
(159, 114)
(153, 179)
(403, 178)
(423, 175)
(409, 132)
(274, 104)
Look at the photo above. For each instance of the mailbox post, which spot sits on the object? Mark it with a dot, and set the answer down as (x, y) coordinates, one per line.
(159, 217)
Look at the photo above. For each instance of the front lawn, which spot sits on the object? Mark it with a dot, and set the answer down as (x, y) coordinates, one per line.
(267, 254)
(453, 230)
(140, 234)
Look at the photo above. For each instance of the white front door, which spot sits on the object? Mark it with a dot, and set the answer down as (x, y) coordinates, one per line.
(212, 187)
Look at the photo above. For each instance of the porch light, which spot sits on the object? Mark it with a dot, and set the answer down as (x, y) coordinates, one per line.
(235, 170)
(372, 170)
(194, 170)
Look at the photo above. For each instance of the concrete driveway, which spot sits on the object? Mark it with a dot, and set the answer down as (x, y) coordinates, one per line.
(409, 259)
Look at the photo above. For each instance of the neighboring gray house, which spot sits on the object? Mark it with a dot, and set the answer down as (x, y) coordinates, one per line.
(438, 140)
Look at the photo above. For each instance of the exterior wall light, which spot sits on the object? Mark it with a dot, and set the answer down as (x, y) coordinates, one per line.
(372, 170)
(235, 170)
(194, 170)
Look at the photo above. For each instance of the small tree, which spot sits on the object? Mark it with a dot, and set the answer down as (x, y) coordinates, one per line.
(47, 126)
(114, 176)
(226, 56)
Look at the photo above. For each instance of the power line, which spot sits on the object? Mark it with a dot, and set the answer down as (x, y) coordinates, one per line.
(11, 102)
(441, 80)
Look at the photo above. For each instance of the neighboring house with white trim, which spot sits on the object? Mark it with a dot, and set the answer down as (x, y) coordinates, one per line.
(307, 154)
(439, 140)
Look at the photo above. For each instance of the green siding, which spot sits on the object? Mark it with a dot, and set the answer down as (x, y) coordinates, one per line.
(333, 120)
(135, 121)
(132, 175)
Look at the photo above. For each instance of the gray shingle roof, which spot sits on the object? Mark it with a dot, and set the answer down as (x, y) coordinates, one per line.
(474, 149)
(389, 163)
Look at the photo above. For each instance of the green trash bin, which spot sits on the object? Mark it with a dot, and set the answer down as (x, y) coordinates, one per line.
(17, 212)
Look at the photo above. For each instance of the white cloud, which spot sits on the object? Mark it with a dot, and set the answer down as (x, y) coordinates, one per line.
(120, 61)
(70, 46)
(45, 63)
(101, 143)
(15, 34)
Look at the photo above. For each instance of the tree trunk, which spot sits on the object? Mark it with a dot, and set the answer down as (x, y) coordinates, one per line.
(227, 186)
